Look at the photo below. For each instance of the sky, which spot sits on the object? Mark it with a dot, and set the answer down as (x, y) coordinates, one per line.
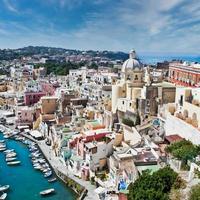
(149, 26)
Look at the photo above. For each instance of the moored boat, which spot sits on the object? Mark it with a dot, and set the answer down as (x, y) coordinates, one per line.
(47, 192)
(9, 151)
(4, 188)
(3, 196)
(52, 180)
(2, 148)
(17, 162)
(11, 159)
(12, 154)
(48, 174)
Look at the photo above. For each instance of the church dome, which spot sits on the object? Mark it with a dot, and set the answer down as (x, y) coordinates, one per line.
(132, 63)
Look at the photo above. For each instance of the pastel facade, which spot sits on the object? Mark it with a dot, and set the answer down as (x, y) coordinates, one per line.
(185, 74)
(25, 116)
(184, 113)
(122, 168)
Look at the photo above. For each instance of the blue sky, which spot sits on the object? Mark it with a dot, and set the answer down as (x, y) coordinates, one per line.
(146, 25)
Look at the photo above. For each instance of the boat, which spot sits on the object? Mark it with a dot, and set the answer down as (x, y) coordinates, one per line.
(17, 162)
(2, 141)
(2, 145)
(4, 188)
(9, 151)
(11, 159)
(2, 149)
(3, 196)
(47, 192)
(47, 174)
(10, 155)
(52, 180)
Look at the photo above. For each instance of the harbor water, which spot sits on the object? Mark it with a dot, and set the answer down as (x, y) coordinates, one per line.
(26, 182)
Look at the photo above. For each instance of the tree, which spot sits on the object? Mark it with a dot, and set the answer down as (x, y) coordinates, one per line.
(128, 122)
(195, 192)
(183, 150)
(153, 187)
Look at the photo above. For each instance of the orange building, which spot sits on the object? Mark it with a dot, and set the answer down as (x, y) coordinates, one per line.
(185, 74)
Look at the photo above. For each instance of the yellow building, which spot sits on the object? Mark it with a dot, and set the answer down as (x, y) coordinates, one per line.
(127, 90)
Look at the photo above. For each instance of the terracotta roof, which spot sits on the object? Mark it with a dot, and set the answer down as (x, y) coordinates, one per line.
(173, 138)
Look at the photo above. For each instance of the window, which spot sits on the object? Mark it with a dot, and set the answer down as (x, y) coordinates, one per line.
(181, 101)
(123, 102)
(128, 77)
(136, 77)
(94, 150)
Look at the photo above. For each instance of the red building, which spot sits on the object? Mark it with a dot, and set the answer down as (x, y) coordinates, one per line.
(31, 98)
(184, 74)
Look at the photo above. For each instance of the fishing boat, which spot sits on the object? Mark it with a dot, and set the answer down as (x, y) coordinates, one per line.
(17, 162)
(2, 141)
(11, 159)
(52, 180)
(3, 196)
(4, 188)
(47, 192)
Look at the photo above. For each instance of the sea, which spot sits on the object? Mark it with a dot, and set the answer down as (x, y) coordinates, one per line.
(153, 59)
(26, 182)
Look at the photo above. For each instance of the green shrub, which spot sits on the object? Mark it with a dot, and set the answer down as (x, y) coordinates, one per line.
(128, 122)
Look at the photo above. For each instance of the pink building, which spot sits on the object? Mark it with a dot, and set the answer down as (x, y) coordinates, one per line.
(48, 88)
(25, 116)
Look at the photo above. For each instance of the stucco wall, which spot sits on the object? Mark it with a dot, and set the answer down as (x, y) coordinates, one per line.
(174, 125)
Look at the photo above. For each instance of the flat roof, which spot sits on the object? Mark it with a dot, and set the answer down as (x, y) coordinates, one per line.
(152, 168)
(173, 138)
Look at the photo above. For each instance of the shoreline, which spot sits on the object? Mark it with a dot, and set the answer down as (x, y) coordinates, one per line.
(79, 186)
(25, 173)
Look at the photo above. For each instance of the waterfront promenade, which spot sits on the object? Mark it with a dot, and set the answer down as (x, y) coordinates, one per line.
(57, 164)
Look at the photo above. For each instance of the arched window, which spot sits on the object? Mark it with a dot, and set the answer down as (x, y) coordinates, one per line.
(128, 77)
(194, 116)
(136, 77)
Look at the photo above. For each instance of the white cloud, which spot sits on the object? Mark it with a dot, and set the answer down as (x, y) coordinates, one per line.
(10, 6)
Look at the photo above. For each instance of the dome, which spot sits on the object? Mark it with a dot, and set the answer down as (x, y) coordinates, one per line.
(132, 63)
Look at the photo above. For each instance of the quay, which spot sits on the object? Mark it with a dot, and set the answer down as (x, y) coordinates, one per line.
(84, 189)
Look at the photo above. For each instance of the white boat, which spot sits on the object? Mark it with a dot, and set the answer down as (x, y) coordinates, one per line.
(48, 191)
(9, 151)
(3, 196)
(4, 188)
(52, 180)
(11, 159)
(2, 145)
(10, 155)
(48, 174)
(2, 141)
(17, 162)
(2, 149)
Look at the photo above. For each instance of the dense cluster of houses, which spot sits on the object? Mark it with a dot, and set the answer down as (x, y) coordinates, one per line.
(108, 125)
